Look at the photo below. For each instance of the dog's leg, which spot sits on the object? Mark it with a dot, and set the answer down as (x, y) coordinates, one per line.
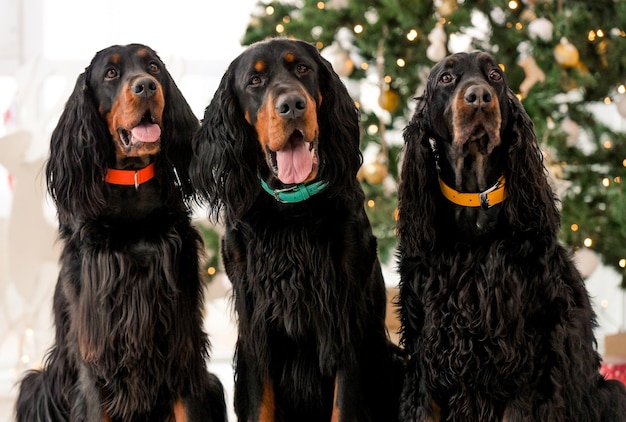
(267, 409)
(179, 412)
(86, 406)
(348, 404)
(336, 415)
(436, 413)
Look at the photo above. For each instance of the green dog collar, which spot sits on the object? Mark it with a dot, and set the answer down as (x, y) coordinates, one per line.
(296, 193)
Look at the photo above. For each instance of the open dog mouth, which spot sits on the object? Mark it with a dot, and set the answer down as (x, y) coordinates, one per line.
(145, 131)
(296, 161)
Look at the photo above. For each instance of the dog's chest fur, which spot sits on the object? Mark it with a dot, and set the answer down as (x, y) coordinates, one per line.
(483, 318)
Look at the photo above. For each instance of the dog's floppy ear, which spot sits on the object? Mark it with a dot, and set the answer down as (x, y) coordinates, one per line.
(530, 203)
(418, 184)
(179, 126)
(224, 164)
(338, 119)
(79, 155)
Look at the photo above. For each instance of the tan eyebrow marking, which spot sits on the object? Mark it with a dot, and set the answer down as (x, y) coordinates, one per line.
(259, 65)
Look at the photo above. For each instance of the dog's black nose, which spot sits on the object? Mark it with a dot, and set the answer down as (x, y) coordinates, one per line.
(144, 87)
(291, 106)
(477, 96)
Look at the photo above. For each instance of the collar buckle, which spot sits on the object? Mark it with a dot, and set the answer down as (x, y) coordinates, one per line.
(484, 196)
(277, 192)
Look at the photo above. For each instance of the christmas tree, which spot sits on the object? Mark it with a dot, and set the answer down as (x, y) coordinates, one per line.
(566, 60)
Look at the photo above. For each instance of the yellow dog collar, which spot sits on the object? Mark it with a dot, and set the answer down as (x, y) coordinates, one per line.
(486, 199)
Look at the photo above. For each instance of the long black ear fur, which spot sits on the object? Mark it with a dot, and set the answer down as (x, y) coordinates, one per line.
(80, 151)
(338, 119)
(530, 205)
(224, 164)
(418, 186)
(179, 126)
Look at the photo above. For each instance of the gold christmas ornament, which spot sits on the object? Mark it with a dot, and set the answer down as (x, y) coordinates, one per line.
(389, 100)
(446, 7)
(566, 54)
(528, 15)
(375, 172)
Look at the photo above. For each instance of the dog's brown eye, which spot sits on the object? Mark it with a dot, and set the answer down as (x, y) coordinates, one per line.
(302, 69)
(446, 78)
(494, 75)
(255, 80)
(154, 68)
(111, 74)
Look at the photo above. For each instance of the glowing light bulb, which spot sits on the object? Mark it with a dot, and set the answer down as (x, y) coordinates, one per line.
(591, 36)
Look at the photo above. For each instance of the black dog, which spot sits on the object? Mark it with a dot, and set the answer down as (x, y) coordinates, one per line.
(278, 154)
(128, 303)
(496, 318)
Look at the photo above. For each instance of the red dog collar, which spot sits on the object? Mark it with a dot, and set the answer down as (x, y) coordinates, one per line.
(130, 177)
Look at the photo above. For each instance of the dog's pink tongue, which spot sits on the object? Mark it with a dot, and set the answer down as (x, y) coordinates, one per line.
(145, 133)
(295, 163)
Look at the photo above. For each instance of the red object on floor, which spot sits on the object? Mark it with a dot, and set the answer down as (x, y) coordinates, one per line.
(614, 371)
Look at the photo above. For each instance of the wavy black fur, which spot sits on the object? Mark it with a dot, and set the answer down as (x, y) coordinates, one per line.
(308, 289)
(497, 322)
(128, 302)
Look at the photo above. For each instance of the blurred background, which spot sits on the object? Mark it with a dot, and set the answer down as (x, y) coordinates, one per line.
(565, 59)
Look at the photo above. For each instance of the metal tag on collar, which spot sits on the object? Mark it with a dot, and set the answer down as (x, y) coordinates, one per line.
(136, 180)
(484, 196)
(277, 192)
